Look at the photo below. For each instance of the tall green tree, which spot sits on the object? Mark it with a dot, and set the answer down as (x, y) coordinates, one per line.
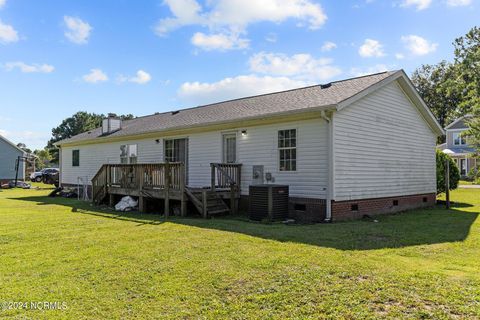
(467, 61)
(434, 83)
(43, 158)
(78, 123)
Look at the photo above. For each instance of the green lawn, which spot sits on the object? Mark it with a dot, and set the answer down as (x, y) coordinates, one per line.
(104, 265)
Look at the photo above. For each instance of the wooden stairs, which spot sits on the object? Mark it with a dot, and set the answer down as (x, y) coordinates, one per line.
(207, 202)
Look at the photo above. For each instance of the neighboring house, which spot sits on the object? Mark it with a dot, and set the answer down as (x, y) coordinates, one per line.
(9, 154)
(457, 146)
(360, 146)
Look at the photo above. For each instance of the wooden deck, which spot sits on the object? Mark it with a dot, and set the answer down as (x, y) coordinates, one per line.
(167, 181)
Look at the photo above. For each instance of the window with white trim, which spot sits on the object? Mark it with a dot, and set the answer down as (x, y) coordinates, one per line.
(459, 139)
(287, 150)
(128, 153)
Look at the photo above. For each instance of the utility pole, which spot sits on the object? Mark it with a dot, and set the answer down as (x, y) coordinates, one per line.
(447, 184)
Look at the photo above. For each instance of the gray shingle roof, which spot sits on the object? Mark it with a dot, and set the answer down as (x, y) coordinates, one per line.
(296, 100)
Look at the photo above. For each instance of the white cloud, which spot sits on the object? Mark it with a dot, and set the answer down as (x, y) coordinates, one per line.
(232, 17)
(95, 76)
(29, 68)
(238, 14)
(185, 12)
(141, 77)
(458, 3)
(2, 3)
(418, 46)
(358, 72)
(399, 56)
(219, 41)
(78, 31)
(230, 88)
(299, 66)
(371, 48)
(328, 46)
(7, 33)
(419, 4)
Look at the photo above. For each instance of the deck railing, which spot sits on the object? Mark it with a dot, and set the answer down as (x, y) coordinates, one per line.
(224, 175)
(166, 176)
(227, 176)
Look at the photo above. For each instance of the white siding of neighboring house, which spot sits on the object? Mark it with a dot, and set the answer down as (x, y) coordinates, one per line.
(8, 157)
(383, 148)
(258, 147)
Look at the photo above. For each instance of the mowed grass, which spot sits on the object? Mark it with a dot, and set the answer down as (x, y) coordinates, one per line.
(105, 265)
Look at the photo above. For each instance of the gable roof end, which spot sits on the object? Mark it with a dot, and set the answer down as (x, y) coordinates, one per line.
(12, 144)
(455, 124)
(409, 89)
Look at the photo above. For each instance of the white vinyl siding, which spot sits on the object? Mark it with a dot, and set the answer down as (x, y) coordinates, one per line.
(8, 157)
(93, 156)
(258, 147)
(383, 148)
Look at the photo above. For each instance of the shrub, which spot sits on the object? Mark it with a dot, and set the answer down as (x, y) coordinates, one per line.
(454, 172)
(474, 175)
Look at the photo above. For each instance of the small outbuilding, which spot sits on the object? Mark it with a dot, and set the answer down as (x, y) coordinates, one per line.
(9, 154)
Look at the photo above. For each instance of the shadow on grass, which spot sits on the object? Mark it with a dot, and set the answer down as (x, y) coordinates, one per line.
(418, 227)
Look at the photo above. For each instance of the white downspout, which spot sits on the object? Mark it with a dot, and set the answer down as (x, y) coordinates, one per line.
(331, 166)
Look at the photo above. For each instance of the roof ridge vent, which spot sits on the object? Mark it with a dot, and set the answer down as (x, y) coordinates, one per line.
(175, 112)
(326, 85)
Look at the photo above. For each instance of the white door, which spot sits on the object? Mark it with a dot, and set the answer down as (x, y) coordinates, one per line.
(229, 148)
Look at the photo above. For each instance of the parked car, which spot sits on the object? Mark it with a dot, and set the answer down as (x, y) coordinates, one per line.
(51, 177)
(38, 176)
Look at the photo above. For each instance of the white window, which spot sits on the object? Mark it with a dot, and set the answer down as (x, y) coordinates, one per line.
(459, 139)
(287, 150)
(128, 153)
(230, 148)
(175, 150)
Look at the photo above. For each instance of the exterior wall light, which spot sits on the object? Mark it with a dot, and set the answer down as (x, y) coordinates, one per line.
(244, 133)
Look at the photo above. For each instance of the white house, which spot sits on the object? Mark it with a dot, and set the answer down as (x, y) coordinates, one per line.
(457, 146)
(9, 154)
(360, 146)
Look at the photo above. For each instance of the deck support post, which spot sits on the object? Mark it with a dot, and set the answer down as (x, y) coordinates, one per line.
(183, 200)
(167, 189)
(111, 200)
(232, 199)
(142, 204)
(204, 203)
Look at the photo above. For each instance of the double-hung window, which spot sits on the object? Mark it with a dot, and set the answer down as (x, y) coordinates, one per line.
(75, 158)
(287, 150)
(128, 153)
(459, 139)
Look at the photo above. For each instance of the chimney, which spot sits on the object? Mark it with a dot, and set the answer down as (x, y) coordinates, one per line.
(111, 124)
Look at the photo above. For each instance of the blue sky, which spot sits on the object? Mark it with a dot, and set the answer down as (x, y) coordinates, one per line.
(140, 57)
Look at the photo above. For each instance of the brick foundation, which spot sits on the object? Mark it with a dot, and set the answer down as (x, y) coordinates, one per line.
(356, 209)
(306, 210)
